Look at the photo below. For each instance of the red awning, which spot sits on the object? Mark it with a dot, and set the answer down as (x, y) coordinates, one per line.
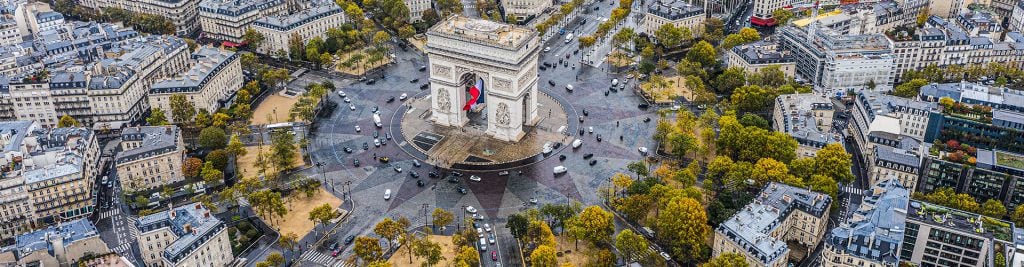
(762, 22)
(230, 44)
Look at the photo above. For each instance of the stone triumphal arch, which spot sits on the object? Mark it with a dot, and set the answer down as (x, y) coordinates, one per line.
(483, 71)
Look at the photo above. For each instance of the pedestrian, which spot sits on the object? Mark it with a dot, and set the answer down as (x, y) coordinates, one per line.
(620, 138)
(616, 123)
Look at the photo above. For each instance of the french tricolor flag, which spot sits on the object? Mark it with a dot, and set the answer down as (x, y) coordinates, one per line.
(475, 92)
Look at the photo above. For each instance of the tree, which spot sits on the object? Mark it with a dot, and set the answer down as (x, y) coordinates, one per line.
(769, 170)
(283, 150)
(275, 259)
(751, 119)
(211, 175)
(157, 117)
(221, 119)
(587, 41)
(253, 38)
(945, 196)
(296, 47)
(544, 256)
(406, 31)
(429, 251)
(191, 167)
(824, 184)
(909, 89)
(467, 256)
(632, 246)
(449, 7)
(833, 161)
(202, 119)
(1018, 215)
(218, 158)
(322, 214)
(689, 68)
(442, 217)
(213, 138)
(745, 35)
(922, 17)
(993, 208)
(235, 147)
(702, 53)
(182, 110)
(669, 35)
(683, 225)
(638, 167)
(288, 241)
(604, 257)
(714, 29)
(67, 121)
(624, 36)
(594, 224)
(730, 79)
(388, 229)
(782, 16)
(728, 260)
(380, 38)
(368, 249)
(517, 225)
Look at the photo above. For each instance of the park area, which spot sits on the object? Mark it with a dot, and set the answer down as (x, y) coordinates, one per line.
(247, 164)
(297, 220)
(570, 253)
(401, 257)
(274, 109)
(361, 64)
(665, 90)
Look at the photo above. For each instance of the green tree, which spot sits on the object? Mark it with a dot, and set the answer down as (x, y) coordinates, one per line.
(728, 260)
(275, 259)
(833, 161)
(202, 119)
(683, 225)
(213, 138)
(544, 256)
(296, 47)
(751, 119)
(993, 208)
(730, 79)
(253, 38)
(322, 214)
(632, 246)
(220, 119)
(429, 251)
(922, 17)
(67, 121)
(368, 249)
(594, 224)
(688, 68)
(1018, 216)
(182, 110)
(449, 7)
(442, 217)
(909, 89)
(235, 147)
(782, 16)
(211, 175)
(769, 170)
(703, 53)
(945, 196)
(714, 29)
(670, 36)
(283, 149)
(467, 256)
(745, 35)
(587, 41)
(157, 117)
(388, 229)
(604, 257)
(518, 223)
(218, 158)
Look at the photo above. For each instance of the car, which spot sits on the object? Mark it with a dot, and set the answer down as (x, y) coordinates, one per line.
(585, 113)
(384, 159)
(358, 129)
(665, 255)
(702, 107)
(375, 110)
(568, 87)
(533, 200)
(376, 142)
(475, 178)
(371, 81)
(471, 209)
(390, 99)
(674, 108)
(387, 194)
(629, 76)
(414, 80)
(349, 239)
(546, 64)
(352, 107)
(590, 129)
(398, 169)
(348, 100)
(432, 174)
(403, 96)
(335, 252)
(647, 119)
(478, 217)
(424, 86)
(599, 137)
(552, 83)
(581, 118)
(503, 173)
(376, 134)
(494, 254)
(366, 146)
(491, 239)
(462, 190)
(593, 162)
(643, 106)
(341, 93)
(333, 246)
(362, 79)
(483, 244)
(560, 169)
(561, 157)
(542, 68)
(423, 68)
(415, 162)
(414, 175)
(643, 150)
(487, 227)
(480, 232)
(387, 136)
(348, 150)
(457, 174)
(588, 156)
(547, 49)
(453, 179)
(355, 162)
(420, 183)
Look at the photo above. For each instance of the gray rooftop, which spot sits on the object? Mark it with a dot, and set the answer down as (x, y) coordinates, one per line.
(752, 226)
(798, 117)
(285, 22)
(975, 93)
(875, 230)
(674, 9)
(70, 232)
(192, 224)
(12, 133)
(69, 165)
(156, 140)
(207, 62)
(896, 155)
(958, 220)
(761, 52)
(236, 7)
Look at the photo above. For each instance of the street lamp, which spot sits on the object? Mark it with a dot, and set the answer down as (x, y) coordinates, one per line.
(425, 205)
(463, 217)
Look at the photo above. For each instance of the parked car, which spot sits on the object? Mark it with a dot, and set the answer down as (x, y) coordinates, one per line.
(352, 107)
(398, 169)
(424, 86)
(414, 80)
(432, 174)
(471, 209)
(403, 96)
(588, 156)
(561, 157)
(391, 99)
(349, 239)
(341, 93)
(358, 129)
(348, 150)
(423, 68)
(414, 175)
(415, 162)
(487, 227)
(355, 162)
(494, 254)
(462, 190)
(474, 178)
(420, 183)
(371, 81)
(593, 162)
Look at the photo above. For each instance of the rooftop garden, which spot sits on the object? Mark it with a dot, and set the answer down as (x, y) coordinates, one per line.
(1009, 160)
(954, 151)
(902, 33)
(981, 224)
(980, 113)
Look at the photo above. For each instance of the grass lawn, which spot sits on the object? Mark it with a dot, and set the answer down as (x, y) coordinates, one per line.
(575, 257)
(297, 220)
(247, 164)
(401, 257)
(676, 87)
(1010, 160)
(362, 67)
(267, 108)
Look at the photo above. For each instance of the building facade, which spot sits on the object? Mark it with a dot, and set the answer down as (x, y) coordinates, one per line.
(871, 235)
(808, 119)
(523, 9)
(184, 236)
(756, 56)
(941, 236)
(277, 30)
(780, 214)
(150, 157)
(680, 14)
(835, 63)
(888, 117)
(63, 244)
(227, 20)
(183, 13)
(215, 76)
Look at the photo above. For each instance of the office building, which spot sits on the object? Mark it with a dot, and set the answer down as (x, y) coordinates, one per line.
(969, 41)
(213, 79)
(416, 8)
(183, 13)
(227, 20)
(997, 122)
(277, 30)
(889, 116)
(680, 14)
(1017, 17)
(781, 214)
(184, 236)
(150, 157)
(835, 63)
(941, 236)
(808, 119)
(871, 235)
(63, 244)
(758, 55)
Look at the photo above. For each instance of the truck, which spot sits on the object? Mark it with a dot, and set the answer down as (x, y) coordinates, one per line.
(376, 121)
(568, 38)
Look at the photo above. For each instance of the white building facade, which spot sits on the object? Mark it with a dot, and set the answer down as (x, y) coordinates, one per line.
(277, 30)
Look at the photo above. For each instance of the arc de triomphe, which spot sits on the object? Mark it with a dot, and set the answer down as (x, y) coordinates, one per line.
(465, 52)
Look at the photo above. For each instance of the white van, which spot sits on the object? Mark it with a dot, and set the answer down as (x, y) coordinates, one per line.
(577, 143)
(560, 169)
(568, 38)
(548, 148)
(376, 121)
(483, 244)
(615, 82)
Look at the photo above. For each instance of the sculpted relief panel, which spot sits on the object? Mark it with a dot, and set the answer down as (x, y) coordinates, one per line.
(443, 71)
